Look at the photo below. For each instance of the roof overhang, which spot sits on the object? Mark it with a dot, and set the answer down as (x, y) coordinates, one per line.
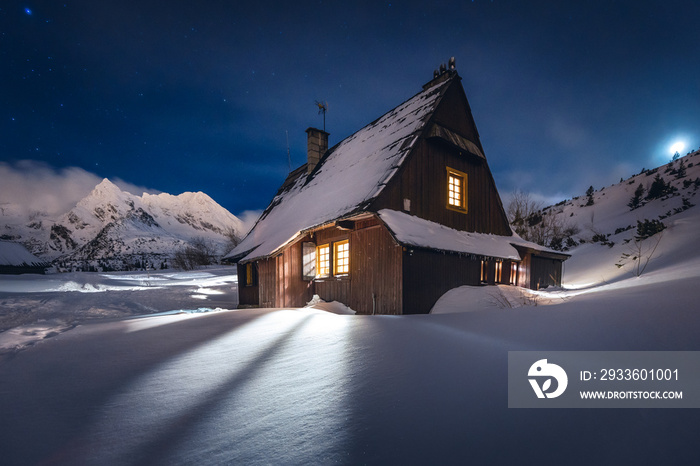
(454, 139)
(549, 254)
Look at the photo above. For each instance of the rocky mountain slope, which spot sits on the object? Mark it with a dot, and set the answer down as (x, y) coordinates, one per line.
(112, 224)
(609, 215)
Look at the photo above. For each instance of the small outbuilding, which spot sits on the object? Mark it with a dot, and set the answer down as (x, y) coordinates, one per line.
(390, 218)
(15, 259)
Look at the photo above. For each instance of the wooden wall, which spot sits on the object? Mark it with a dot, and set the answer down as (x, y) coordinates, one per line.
(375, 259)
(267, 283)
(292, 291)
(545, 272)
(334, 288)
(524, 270)
(374, 283)
(428, 275)
(423, 180)
(454, 113)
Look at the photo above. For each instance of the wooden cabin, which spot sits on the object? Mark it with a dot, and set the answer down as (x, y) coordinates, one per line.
(391, 218)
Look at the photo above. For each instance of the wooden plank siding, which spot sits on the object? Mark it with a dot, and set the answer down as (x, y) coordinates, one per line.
(292, 290)
(267, 282)
(423, 180)
(374, 282)
(334, 289)
(375, 260)
(429, 274)
(544, 272)
(455, 114)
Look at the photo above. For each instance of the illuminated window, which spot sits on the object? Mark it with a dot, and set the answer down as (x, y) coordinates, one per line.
(341, 257)
(323, 260)
(499, 271)
(456, 190)
(484, 271)
(514, 273)
(249, 274)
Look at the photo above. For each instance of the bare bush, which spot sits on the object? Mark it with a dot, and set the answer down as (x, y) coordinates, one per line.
(199, 252)
(639, 254)
(521, 207)
(541, 226)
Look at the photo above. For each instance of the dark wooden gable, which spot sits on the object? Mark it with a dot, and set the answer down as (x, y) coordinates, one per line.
(450, 139)
(455, 114)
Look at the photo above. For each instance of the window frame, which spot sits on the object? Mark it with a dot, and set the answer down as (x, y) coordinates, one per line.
(463, 198)
(484, 272)
(320, 262)
(337, 258)
(308, 260)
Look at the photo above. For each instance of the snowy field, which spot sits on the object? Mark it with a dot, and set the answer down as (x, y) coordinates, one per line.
(35, 306)
(307, 386)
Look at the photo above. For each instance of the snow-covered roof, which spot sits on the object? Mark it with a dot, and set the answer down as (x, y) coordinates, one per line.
(410, 230)
(14, 254)
(349, 176)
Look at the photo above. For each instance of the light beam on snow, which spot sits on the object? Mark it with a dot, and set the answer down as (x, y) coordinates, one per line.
(259, 393)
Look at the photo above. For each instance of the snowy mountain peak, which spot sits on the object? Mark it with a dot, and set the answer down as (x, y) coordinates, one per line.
(106, 185)
(107, 190)
(111, 223)
(105, 203)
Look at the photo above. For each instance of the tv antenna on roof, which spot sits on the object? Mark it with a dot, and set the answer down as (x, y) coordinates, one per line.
(322, 108)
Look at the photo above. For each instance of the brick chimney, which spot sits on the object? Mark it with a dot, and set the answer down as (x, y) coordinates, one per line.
(316, 146)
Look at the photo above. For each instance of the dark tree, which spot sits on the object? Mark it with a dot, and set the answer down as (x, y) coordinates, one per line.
(659, 188)
(648, 228)
(681, 171)
(589, 193)
(637, 198)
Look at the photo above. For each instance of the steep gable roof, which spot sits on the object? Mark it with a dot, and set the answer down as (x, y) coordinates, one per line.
(346, 180)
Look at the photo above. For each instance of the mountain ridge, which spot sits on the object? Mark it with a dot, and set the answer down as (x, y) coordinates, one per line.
(111, 224)
(609, 215)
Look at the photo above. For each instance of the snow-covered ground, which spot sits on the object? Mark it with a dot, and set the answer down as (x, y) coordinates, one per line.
(306, 386)
(33, 307)
(323, 386)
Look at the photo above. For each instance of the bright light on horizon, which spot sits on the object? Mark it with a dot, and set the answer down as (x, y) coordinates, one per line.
(677, 146)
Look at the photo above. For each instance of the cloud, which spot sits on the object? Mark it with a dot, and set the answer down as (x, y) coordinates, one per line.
(38, 187)
(566, 134)
(248, 218)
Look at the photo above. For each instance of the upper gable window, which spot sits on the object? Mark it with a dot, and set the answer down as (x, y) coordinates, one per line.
(456, 190)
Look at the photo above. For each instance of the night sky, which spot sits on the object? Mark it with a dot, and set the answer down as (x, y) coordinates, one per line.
(198, 96)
